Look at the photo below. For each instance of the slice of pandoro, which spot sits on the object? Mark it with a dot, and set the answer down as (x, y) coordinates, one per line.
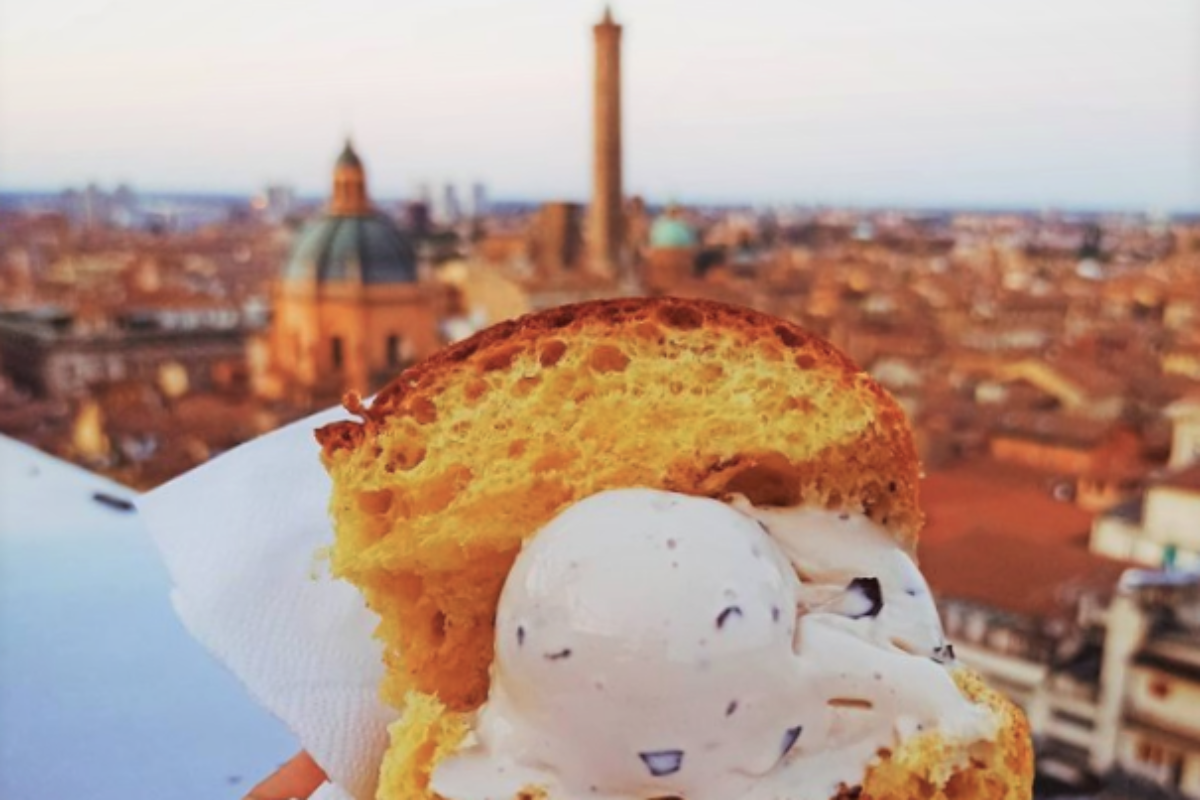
(469, 453)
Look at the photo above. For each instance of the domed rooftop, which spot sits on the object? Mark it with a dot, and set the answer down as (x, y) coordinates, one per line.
(670, 231)
(351, 241)
(369, 248)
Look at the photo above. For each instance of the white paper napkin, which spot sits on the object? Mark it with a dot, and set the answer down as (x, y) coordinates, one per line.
(239, 536)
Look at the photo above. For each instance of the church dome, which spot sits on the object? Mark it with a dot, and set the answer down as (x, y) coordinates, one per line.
(368, 248)
(352, 242)
(671, 232)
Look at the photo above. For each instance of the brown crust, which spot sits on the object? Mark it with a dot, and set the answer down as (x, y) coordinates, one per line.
(495, 348)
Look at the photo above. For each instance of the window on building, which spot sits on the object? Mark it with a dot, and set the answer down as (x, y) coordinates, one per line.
(1166, 762)
(1077, 720)
(1159, 688)
(952, 617)
(1151, 753)
(1007, 641)
(976, 627)
(336, 352)
(393, 350)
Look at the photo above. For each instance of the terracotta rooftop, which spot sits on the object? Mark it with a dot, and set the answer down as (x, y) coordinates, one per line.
(1056, 426)
(1017, 575)
(1188, 478)
(1003, 499)
(1089, 376)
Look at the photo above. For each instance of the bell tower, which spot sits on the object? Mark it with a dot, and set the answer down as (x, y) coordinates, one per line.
(605, 234)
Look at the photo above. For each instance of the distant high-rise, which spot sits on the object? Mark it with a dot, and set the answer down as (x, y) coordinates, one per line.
(605, 230)
(279, 201)
(96, 207)
(450, 210)
(424, 195)
(479, 200)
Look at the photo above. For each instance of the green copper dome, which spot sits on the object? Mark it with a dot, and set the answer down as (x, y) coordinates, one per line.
(672, 232)
(369, 248)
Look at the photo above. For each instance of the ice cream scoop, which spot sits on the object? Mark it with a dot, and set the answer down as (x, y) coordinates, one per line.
(651, 644)
(855, 577)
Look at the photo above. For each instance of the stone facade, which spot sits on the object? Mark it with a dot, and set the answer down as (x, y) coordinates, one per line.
(55, 358)
(352, 309)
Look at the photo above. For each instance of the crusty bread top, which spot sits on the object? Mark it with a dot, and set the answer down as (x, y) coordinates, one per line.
(464, 456)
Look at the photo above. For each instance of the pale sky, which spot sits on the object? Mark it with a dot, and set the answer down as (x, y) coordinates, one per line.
(1084, 103)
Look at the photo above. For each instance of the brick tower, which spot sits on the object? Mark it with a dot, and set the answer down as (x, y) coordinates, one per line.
(606, 215)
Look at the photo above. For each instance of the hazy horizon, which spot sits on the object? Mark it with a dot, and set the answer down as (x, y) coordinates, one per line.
(321, 197)
(936, 104)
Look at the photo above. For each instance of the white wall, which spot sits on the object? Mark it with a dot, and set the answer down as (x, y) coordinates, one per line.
(1173, 517)
(1185, 443)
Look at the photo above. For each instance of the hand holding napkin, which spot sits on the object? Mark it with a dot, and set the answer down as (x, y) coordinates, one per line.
(240, 536)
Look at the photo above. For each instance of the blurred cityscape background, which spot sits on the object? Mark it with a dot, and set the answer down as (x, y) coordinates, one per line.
(1032, 300)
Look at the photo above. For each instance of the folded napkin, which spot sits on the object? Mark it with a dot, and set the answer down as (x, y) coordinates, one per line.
(240, 536)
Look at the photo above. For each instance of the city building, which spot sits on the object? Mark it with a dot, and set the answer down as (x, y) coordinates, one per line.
(60, 354)
(351, 308)
(448, 210)
(276, 202)
(556, 240)
(672, 252)
(1104, 659)
(1103, 655)
(1185, 445)
(606, 255)
(479, 201)
(1100, 462)
(1147, 732)
(1161, 528)
(1074, 386)
(486, 296)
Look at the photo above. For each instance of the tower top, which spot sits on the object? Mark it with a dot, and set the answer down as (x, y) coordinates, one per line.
(605, 232)
(349, 158)
(349, 184)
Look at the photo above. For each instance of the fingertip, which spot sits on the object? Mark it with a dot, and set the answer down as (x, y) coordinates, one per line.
(298, 778)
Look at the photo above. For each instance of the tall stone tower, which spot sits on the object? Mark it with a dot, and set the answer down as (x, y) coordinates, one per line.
(606, 214)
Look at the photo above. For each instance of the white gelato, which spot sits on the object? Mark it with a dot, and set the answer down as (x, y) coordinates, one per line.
(651, 644)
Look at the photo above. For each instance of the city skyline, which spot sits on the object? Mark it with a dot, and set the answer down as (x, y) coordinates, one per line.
(1087, 105)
